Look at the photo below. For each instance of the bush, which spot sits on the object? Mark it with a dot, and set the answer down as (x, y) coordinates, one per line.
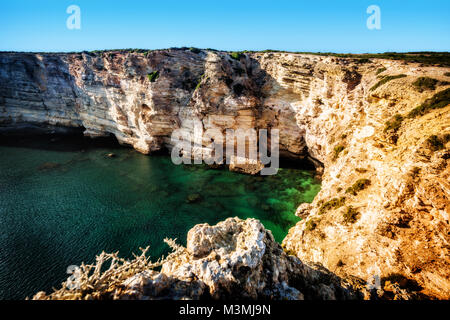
(337, 150)
(394, 124)
(350, 215)
(425, 83)
(387, 79)
(434, 143)
(446, 137)
(380, 70)
(438, 101)
(236, 55)
(415, 171)
(153, 76)
(358, 186)
(447, 74)
(200, 82)
(311, 224)
(194, 50)
(334, 203)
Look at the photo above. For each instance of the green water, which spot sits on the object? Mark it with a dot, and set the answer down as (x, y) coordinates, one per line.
(64, 201)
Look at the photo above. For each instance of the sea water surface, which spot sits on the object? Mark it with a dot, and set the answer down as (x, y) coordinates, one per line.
(63, 201)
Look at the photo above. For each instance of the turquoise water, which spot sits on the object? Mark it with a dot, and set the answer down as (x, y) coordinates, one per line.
(62, 201)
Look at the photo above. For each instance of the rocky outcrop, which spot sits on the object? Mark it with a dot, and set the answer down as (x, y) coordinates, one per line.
(235, 259)
(379, 131)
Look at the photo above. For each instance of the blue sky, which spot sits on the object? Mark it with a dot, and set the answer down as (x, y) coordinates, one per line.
(313, 25)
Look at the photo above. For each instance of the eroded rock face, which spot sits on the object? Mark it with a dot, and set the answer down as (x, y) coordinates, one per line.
(397, 224)
(237, 259)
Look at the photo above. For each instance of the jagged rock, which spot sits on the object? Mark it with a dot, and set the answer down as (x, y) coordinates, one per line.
(237, 259)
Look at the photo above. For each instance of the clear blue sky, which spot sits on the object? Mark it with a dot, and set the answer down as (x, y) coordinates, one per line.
(312, 25)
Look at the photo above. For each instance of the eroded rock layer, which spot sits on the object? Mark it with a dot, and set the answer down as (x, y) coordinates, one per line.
(380, 128)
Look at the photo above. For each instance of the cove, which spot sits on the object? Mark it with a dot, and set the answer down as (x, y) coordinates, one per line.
(63, 201)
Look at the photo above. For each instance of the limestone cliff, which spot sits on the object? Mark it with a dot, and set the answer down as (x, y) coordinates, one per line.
(380, 128)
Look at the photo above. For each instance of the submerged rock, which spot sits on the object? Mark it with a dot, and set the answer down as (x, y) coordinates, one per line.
(193, 198)
(49, 166)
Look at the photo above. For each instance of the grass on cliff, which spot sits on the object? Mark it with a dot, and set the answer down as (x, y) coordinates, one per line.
(337, 151)
(386, 79)
(438, 101)
(350, 215)
(425, 83)
(194, 50)
(153, 76)
(380, 70)
(394, 124)
(437, 142)
(236, 55)
(359, 185)
(311, 224)
(426, 57)
(334, 203)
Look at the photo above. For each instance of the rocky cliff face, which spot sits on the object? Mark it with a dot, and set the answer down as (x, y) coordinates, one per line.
(383, 210)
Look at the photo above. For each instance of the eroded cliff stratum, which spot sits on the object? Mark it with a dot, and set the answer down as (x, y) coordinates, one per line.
(380, 129)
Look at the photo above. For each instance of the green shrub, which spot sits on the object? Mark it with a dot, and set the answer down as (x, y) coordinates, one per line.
(425, 83)
(438, 101)
(334, 203)
(337, 150)
(387, 79)
(358, 186)
(363, 60)
(380, 70)
(153, 76)
(199, 84)
(350, 215)
(394, 124)
(447, 74)
(236, 55)
(311, 224)
(194, 50)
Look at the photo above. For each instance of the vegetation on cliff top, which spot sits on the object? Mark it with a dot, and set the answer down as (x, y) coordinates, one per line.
(153, 76)
(426, 57)
(387, 79)
(236, 55)
(438, 101)
(394, 124)
(435, 142)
